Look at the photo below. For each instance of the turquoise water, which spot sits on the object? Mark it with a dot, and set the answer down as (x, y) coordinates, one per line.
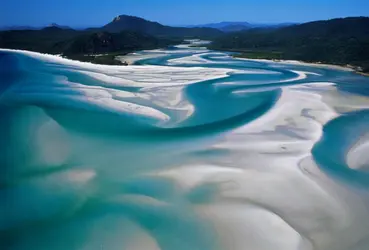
(158, 155)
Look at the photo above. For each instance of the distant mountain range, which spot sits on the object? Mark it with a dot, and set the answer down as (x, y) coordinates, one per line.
(126, 22)
(59, 26)
(239, 26)
(224, 25)
(137, 24)
(4, 28)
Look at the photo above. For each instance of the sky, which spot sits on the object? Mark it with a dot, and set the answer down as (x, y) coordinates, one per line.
(88, 13)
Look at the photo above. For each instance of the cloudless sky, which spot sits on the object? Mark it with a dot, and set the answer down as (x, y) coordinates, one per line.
(83, 13)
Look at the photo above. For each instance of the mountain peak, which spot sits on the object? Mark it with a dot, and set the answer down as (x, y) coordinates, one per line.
(55, 25)
(132, 23)
(125, 18)
(117, 18)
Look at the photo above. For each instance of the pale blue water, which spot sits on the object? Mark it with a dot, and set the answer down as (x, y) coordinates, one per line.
(75, 174)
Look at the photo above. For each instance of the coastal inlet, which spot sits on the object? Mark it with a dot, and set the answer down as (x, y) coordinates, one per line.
(187, 148)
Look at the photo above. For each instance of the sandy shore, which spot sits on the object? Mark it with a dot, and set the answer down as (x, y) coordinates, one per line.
(317, 64)
(295, 62)
(131, 58)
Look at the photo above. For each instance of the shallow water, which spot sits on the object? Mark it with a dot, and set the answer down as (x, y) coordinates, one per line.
(187, 149)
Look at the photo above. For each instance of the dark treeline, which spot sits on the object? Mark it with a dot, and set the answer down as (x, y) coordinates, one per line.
(337, 41)
(81, 45)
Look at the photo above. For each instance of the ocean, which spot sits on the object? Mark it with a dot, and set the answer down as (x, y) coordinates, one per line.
(185, 149)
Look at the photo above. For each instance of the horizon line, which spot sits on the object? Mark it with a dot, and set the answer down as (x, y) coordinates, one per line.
(178, 25)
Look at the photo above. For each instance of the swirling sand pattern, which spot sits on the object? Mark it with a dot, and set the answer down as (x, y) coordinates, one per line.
(188, 149)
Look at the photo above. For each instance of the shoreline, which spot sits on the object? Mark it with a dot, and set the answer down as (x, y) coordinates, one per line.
(129, 59)
(133, 57)
(313, 64)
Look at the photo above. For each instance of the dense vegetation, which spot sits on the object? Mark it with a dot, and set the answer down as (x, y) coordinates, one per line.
(123, 35)
(44, 40)
(81, 45)
(104, 42)
(338, 41)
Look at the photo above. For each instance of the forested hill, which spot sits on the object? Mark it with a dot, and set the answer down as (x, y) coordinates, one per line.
(338, 41)
(137, 24)
(81, 44)
(123, 35)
